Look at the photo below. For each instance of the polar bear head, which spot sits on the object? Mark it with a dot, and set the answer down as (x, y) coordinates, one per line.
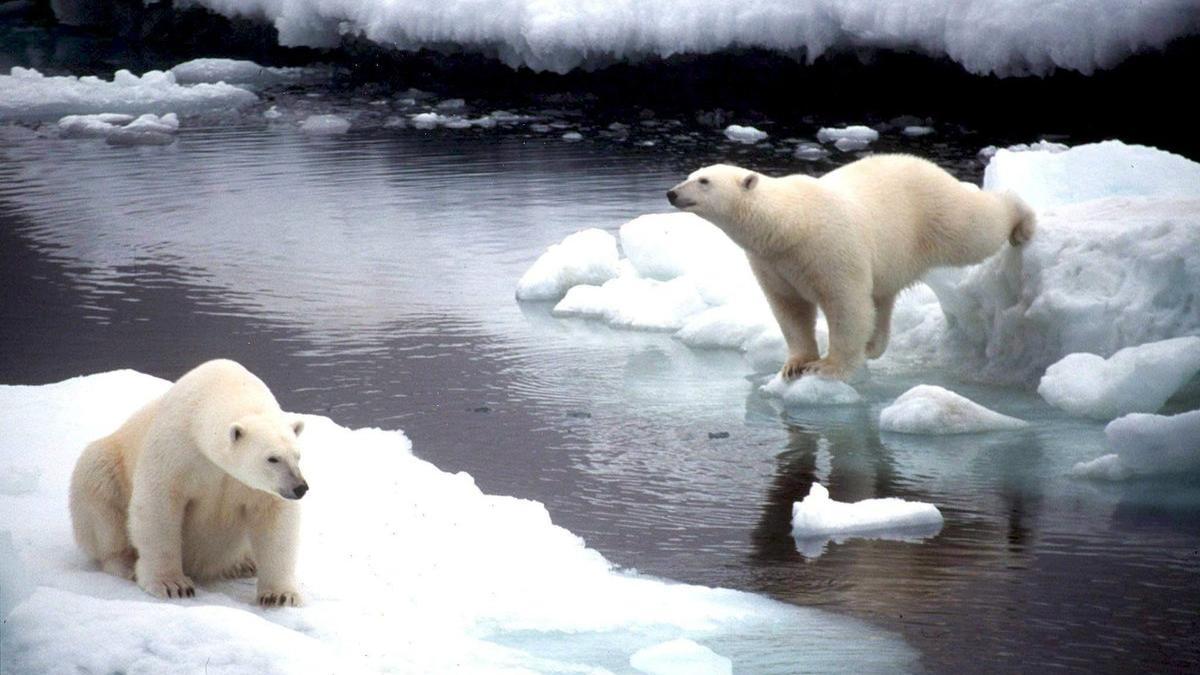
(263, 452)
(714, 192)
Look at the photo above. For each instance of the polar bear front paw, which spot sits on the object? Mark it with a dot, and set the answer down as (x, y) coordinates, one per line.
(169, 586)
(280, 598)
(796, 366)
(826, 368)
(242, 570)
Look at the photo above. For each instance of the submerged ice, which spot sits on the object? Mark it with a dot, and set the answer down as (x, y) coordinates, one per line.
(391, 566)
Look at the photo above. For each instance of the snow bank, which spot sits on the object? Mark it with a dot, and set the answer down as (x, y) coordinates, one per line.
(26, 94)
(1135, 379)
(817, 520)
(680, 657)
(740, 134)
(1147, 445)
(929, 409)
(811, 390)
(325, 125)
(233, 71)
(1004, 37)
(1113, 263)
(586, 257)
(405, 568)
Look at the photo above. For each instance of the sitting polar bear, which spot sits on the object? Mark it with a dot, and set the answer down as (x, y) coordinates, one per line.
(848, 242)
(200, 483)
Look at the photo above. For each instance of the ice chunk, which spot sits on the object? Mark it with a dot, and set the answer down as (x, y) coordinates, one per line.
(855, 134)
(667, 245)
(26, 94)
(1135, 379)
(1101, 274)
(233, 71)
(634, 302)
(1147, 445)
(572, 136)
(325, 125)
(117, 129)
(586, 257)
(809, 152)
(929, 409)
(916, 131)
(680, 657)
(741, 134)
(811, 390)
(818, 519)
(1009, 37)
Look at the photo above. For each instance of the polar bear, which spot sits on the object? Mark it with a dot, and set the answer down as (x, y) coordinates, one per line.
(848, 242)
(201, 483)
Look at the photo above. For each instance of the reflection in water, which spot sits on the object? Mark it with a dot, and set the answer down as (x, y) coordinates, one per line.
(370, 278)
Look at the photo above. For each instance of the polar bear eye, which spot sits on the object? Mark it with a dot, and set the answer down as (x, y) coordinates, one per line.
(273, 460)
(704, 181)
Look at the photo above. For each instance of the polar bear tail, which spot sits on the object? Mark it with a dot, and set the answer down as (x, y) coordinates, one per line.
(1024, 220)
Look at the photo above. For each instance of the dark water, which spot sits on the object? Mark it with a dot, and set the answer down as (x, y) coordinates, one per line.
(370, 277)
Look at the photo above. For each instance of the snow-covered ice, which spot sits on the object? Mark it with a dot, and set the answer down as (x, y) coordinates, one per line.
(117, 129)
(1147, 445)
(234, 71)
(680, 656)
(26, 94)
(929, 409)
(741, 134)
(811, 390)
(1112, 265)
(1135, 379)
(586, 257)
(817, 520)
(405, 569)
(325, 125)
(1004, 37)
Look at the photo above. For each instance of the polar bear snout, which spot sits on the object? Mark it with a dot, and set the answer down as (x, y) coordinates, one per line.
(678, 199)
(298, 491)
(671, 196)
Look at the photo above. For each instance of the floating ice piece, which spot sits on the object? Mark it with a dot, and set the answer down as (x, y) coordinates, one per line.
(234, 71)
(817, 519)
(1135, 379)
(851, 144)
(26, 94)
(1147, 445)
(1010, 37)
(856, 133)
(572, 136)
(1103, 272)
(404, 590)
(431, 120)
(680, 657)
(929, 409)
(451, 104)
(1040, 146)
(810, 152)
(811, 390)
(667, 245)
(917, 131)
(325, 125)
(586, 257)
(749, 135)
(118, 129)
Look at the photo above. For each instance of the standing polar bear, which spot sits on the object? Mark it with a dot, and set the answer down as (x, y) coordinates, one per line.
(848, 242)
(201, 483)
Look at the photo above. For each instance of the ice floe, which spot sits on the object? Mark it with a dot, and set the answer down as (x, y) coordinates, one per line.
(817, 520)
(325, 125)
(405, 568)
(929, 409)
(1147, 445)
(26, 94)
(1134, 379)
(586, 257)
(117, 129)
(811, 390)
(741, 134)
(234, 71)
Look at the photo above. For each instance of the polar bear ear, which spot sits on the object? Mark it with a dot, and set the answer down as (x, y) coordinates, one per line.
(297, 426)
(750, 181)
(236, 431)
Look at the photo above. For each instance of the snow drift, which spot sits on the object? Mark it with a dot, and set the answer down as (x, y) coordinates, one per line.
(405, 569)
(1004, 37)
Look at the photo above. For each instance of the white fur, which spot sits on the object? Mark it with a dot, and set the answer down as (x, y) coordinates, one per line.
(185, 488)
(849, 241)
